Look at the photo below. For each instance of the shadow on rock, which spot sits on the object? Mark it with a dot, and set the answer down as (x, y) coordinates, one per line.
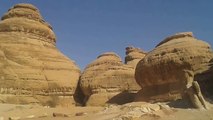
(122, 98)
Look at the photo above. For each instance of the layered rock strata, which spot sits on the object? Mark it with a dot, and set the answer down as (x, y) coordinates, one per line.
(32, 69)
(134, 55)
(163, 73)
(108, 80)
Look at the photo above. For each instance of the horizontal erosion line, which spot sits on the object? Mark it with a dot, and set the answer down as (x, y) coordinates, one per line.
(56, 91)
(30, 32)
(31, 35)
(30, 95)
(43, 69)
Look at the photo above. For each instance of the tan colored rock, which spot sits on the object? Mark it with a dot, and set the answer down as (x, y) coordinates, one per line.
(32, 69)
(176, 36)
(133, 56)
(30, 116)
(14, 118)
(43, 115)
(108, 80)
(162, 73)
(137, 110)
(60, 115)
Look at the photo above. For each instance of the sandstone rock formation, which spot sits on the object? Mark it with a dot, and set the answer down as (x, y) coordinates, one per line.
(32, 69)
(133, 56)
(162, 73)
(108, 80)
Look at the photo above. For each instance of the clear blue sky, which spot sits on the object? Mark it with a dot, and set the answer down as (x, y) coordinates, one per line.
(87, 28)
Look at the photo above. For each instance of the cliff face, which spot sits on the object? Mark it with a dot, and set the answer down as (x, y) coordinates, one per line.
(162, 73)
(32, 69)
(108, 80)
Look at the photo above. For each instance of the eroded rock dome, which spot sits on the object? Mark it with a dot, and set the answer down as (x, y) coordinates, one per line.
(108, 80)
(32, 69)
(161, 74)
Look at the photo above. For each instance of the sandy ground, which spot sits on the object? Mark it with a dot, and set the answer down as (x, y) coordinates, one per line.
(131, 111)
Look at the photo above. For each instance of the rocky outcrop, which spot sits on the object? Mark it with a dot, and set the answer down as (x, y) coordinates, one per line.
(108, 80)
(32, 69)
(133, 56)
(163, 75)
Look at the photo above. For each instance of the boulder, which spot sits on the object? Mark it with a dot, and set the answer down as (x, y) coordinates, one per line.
(108, 80)
(32, 69)
(134, 55)
(171, 67)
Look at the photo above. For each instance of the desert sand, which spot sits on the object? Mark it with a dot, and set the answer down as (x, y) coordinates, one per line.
(130, 111)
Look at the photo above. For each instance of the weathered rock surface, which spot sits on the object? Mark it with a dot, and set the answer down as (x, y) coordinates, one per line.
(108, 80)
(134, 55)
(162, 73)
(32, 69)
(133, 111)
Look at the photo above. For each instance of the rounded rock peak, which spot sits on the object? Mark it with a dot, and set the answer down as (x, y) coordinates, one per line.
(26, 5)
(133, 55)
(130, 49)
(109, 54)
(105, 59)
(26, 18)
(23, 10)
(176, 36)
